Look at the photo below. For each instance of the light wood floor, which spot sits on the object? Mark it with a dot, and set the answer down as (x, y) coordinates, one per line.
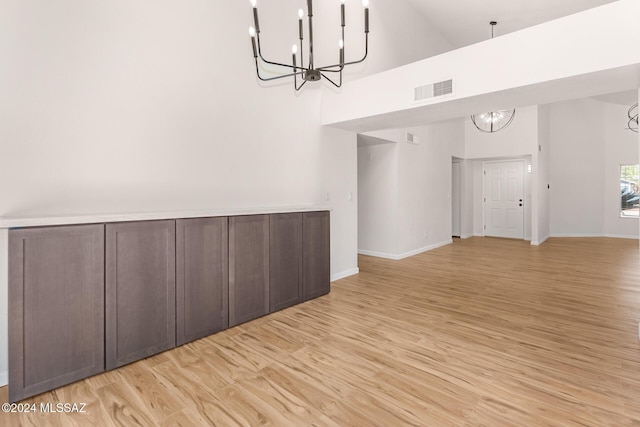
(484, 332)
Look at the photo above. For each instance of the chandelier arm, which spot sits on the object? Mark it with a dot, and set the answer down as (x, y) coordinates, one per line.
(331, 81)
(267, 79)
(271, 62)
(304, 82)
(366, 53)
(295, 79)
(325, 70)
(513, 115)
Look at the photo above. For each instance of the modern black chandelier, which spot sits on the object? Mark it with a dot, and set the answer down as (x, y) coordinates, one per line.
(632, 124)
(493, 121)
(309, 73)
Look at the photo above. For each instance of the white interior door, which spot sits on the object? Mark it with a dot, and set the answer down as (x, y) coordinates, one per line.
(456, 199)
(504, 199)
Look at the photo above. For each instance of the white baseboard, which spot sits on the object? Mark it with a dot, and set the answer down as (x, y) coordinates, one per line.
(615, 236)
(622, 236)
(466, 236)
(576, 235)
(406, 254)
(425, 249)
(376, 254)
(539, 242)
(478, 234)
(344, 274)
(4, 378)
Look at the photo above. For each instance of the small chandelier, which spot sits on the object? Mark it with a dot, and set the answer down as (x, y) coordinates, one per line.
(493, 121)
(309, 73)
(633, 118)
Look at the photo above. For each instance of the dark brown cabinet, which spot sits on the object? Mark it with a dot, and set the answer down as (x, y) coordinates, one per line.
(202, 278)
(315, 254)
(248, 268)
(140, 290)
(285, 260)
(56, 307)
(86, 298)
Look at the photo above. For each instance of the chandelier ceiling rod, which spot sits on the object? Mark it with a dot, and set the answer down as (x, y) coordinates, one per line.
(493, 121)
(310, 73)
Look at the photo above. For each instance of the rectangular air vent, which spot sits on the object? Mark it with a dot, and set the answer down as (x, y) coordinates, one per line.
(433, 90)
(412, 139)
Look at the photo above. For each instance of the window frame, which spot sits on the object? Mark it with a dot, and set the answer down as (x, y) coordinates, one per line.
(632, 180)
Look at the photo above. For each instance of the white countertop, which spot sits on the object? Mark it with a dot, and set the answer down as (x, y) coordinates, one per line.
(39, 221)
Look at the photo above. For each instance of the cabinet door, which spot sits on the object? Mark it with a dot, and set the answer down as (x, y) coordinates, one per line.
(202, 281)
(285, 260)
(56, 307)
(248, 268)
(140, 290)
(316, 254)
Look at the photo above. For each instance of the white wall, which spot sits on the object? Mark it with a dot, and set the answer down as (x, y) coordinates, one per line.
(378, 199)
(577, 161)
(424, 186)
(132, 106)
(466, 202)
(620, 147)
(476, 199)
(395, 212)
(589, 145)
(544, 162)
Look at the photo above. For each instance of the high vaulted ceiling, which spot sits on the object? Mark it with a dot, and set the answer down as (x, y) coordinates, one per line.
(464, 22)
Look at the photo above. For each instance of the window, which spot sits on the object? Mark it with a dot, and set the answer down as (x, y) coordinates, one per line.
(629, 194)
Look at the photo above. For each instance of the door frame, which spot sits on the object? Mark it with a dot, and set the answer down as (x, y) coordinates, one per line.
(524, 195)
(459, 161)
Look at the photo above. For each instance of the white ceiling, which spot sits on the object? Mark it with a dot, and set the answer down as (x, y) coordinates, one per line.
(465, 22)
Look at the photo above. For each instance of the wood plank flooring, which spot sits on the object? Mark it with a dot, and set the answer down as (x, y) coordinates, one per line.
(484, 332)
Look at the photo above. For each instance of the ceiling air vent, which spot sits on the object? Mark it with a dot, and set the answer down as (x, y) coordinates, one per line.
(433, 90)
(412, 139)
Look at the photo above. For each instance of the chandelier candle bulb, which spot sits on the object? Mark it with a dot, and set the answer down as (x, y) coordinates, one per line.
(341, 46)
(365, 3)
(255, 19)
(300, 14)
(252, 34)
(342, 13)
(253, 44)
